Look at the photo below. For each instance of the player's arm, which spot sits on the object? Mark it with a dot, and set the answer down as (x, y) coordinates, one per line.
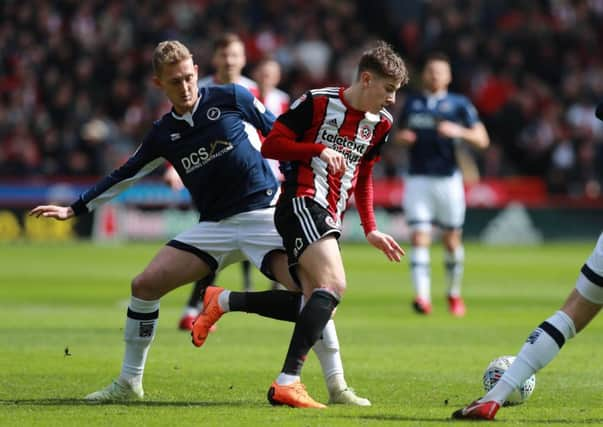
(404, 134)
(364, 203)
(141, 163)
(472, 130)
(475, 135)
(285, 140)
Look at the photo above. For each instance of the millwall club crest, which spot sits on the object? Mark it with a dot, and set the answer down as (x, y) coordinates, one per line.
(213, 113)
(365, 133)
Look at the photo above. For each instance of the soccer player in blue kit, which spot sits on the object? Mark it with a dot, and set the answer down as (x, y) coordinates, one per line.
(431, 124)
(205, 138)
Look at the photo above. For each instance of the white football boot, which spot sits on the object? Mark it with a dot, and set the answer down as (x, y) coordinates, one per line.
(116, 392)
(347, 396)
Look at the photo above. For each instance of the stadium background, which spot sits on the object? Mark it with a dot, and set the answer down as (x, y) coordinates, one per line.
(75, 99)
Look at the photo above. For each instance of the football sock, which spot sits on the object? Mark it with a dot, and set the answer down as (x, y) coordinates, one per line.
(196, 296)
(308, 328)
(280, 305)
(419, 268)
(141, 325)
(540, 348)
(286, 379)
(454, 263)
(246, 270)
(327, 350)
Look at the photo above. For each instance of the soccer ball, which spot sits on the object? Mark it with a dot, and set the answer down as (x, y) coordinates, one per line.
(496, 369)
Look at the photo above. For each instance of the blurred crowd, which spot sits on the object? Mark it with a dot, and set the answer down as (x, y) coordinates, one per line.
(76, 95)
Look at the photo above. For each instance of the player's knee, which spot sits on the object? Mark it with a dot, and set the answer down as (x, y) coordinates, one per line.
(336, 286)
(141, 287)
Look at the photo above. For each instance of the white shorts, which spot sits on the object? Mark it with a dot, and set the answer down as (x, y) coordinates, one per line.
(248, 235)
(434, 200)
(590, 280)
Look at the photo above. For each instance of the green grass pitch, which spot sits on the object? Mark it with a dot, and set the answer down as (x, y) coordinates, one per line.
(416, 370)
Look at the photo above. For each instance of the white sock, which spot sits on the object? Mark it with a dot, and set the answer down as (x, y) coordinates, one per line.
(190, 311)
(454, 263)
(286, 379)
(327, 350)
(420, 272)
(141, 325)
(224, 300)
(540, 348)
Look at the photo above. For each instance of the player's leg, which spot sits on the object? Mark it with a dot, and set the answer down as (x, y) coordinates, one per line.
(170, 268)
(545, 342)
(323, 279)
(454, 260)
(246, 272)
(450, 214)
(418, 209)
(194, 304)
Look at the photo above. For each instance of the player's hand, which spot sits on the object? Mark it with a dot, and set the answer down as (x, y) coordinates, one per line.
(334, 160)
(406, 136)
(450, 129)
(171, 178)
(386, 244)
(52, 211)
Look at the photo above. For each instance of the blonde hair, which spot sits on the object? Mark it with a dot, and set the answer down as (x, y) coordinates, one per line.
(169, 52)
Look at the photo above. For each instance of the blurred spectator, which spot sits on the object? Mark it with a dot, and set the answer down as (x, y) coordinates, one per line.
(67, 63)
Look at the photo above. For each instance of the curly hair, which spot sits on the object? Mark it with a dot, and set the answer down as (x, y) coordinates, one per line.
(383, 60)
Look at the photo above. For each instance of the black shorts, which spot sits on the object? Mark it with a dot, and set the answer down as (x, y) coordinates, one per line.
(300, 222)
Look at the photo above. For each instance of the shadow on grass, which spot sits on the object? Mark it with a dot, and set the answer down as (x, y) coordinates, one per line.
(82, 402)
(401, 418)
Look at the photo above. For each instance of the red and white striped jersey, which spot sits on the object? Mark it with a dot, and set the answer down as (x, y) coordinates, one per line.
(276, 101)
(322, 118)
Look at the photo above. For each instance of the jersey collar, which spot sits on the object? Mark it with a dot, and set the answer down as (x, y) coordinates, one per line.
(188, 117)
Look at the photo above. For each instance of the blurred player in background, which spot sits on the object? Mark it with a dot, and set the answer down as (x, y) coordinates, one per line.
(544, 343)
(228, 61)
(330, 139)
(205, 138)
(431, 124)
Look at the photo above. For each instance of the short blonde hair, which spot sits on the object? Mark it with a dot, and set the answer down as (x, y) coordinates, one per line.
(169, 52)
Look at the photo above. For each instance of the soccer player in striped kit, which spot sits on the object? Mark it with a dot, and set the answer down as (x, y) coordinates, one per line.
(329, 140)
(431, 124)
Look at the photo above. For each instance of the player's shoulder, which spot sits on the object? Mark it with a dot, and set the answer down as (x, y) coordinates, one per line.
(329, 92)
(458, 98)
(386, 117)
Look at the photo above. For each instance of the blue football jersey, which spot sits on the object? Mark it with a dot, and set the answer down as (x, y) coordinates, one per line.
(214, 150)
(433, 154)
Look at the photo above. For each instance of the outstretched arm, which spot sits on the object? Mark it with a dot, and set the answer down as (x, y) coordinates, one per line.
(52, 211)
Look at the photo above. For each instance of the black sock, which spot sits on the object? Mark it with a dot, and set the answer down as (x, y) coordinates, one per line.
(246, 270)
(308, 329)
(280, 305)
(199, 290)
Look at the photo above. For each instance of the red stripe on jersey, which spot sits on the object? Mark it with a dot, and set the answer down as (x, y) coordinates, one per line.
(324, 117)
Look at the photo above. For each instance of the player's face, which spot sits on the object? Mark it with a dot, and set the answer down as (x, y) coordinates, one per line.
(380, 92)
(179, 82)
(268, 75)
(436, 75)
(229, 62)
